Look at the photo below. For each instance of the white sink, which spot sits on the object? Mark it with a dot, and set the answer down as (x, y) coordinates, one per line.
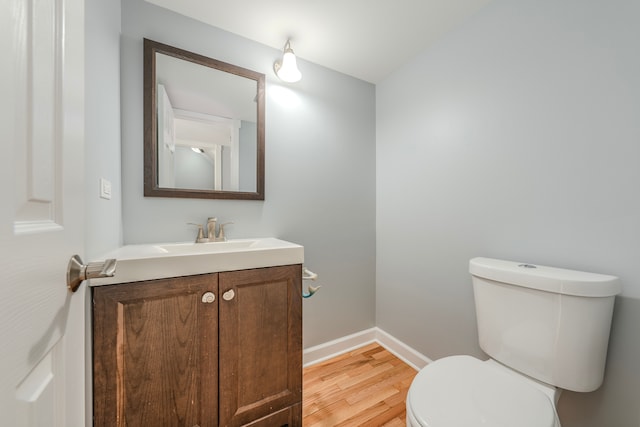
(207, 248)
(162, 260)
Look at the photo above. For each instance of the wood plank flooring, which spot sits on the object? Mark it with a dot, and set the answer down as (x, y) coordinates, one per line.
(366, 387)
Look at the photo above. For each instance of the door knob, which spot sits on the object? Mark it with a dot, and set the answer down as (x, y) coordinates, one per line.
(77, 272)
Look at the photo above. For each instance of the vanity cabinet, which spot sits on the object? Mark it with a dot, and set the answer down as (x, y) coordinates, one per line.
(221, 349)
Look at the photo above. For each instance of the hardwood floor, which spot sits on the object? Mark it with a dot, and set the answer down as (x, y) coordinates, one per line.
(366, 387)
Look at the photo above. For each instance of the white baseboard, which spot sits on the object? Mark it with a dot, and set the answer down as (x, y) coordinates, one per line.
(322, 352)
(407, 354)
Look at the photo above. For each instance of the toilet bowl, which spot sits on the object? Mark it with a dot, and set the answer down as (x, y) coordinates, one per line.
(462, 391)
(544, 329)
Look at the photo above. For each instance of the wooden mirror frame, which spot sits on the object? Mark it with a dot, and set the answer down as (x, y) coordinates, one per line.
(151, 187)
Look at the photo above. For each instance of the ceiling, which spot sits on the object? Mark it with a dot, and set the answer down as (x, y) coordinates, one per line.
(367, 39)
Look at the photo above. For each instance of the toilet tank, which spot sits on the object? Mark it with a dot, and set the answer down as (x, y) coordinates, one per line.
(549, 323)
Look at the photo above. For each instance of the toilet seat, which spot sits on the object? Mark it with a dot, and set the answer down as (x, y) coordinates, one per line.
(462, 391)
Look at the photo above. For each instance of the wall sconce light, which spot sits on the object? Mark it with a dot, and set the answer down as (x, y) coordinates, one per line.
(287, 69)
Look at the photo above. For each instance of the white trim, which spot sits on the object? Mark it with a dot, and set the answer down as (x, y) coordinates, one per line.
(407, 354)
(33, 227)
(322, 352)
(328, 350)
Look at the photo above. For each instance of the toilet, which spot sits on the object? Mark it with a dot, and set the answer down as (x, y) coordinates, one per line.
(545, 329)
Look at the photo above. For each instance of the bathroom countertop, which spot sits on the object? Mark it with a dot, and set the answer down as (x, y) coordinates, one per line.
(163, 260)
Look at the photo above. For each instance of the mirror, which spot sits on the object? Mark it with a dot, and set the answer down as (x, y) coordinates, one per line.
(203, 126)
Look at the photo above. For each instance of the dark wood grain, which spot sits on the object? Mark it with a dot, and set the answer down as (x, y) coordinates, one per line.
(260, 344)
(162, 357)
(155, 353)
(288, 417)
(151, 187)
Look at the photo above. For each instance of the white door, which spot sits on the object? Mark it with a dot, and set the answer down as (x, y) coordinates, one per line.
(42, 365)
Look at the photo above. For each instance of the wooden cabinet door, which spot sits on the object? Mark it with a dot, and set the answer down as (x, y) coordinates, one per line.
(155, 353)
(260, 351)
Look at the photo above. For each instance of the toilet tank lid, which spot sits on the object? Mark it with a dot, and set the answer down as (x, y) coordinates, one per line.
(550, 279)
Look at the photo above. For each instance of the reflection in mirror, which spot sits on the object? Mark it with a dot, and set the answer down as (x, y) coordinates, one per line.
(204, 126)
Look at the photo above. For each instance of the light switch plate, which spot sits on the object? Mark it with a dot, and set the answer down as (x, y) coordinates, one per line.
(105, 189)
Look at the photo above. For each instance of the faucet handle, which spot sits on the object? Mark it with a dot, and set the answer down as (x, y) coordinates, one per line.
(221, 235)
(200, 238)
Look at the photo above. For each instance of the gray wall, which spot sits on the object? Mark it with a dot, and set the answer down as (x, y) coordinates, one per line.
(518, 137)
(102, 126)
(320, 169)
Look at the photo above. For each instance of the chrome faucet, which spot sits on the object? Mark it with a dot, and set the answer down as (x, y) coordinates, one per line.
(211, 230)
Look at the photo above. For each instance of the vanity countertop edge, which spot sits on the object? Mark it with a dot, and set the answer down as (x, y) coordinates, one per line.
(144, 262)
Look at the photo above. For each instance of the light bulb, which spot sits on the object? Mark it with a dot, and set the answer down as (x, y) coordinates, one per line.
(287, 69)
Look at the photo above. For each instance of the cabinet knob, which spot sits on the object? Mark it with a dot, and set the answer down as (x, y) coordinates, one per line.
(228, 296)
(208, 297)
